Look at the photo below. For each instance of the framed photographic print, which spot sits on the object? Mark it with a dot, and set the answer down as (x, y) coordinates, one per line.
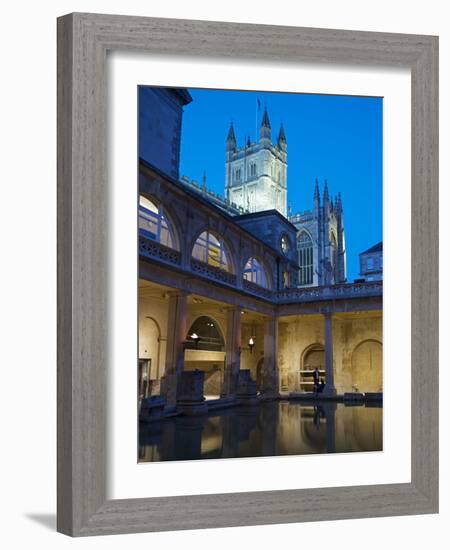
(246, 335)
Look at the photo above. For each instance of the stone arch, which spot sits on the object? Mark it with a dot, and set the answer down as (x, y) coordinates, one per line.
(150, 347)
(306, 232)
(166, 214)
(262, 264)
(312, 353)
(227, 247)
(209, 331)
(367, 366)
(312, 356)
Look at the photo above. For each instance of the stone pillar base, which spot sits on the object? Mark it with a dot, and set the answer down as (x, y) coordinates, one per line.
(169, 391)
(269, 396)
(328, 391)
(270, 386)
(246, 390)
(152, 409)
(191, 408)
(190, 399)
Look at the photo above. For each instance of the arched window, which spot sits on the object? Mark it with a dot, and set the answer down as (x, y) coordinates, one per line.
(254, 272)
(153, 224)
(210, 250)
(206, 335)
(305, 259)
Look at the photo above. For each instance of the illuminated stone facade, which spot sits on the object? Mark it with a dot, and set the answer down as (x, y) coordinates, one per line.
(219, 293)
(341, 325)
(256, 173)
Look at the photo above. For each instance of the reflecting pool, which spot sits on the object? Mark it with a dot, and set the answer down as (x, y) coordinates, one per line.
(269, 429)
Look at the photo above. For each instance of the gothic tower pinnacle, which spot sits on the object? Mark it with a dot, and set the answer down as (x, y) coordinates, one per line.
(281, 141)
(264, 130)
(316, 199)
(231, 139)
(326, 197)
(256, 172)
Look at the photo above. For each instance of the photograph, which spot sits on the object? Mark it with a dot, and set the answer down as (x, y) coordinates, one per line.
(260, 309)
(234, 273)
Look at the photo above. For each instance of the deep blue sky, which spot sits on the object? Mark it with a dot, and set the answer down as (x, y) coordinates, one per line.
(338, 138)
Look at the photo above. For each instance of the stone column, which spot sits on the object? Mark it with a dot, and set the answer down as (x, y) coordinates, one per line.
(176, 336)
(329, 389)
(232, 352)
(270, 369)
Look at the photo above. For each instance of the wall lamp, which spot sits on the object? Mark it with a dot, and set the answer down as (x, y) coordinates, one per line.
(251, 344)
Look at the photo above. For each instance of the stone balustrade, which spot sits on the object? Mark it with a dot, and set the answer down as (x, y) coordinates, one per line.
(332, 292)
(212, 272)
(261, 291)
(156, 251)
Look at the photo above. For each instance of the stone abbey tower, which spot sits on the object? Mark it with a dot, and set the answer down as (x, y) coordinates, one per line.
(255, 176)
(256, 181)
(321, 241)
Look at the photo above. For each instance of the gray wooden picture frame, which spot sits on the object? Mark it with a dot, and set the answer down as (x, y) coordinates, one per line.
(83, 42)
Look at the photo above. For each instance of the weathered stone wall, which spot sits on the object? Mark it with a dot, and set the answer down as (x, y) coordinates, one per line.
(153, 333)
(349, 335)
(160, 116)
(357, 345)
(297, 335)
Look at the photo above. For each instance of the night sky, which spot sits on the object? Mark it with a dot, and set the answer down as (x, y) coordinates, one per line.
(338, 138)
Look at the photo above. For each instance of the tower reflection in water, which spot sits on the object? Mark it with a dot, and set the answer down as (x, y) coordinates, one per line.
(269, 429)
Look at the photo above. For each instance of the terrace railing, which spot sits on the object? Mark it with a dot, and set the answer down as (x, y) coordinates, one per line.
(213, 272)
(261, 291)
(157, 251)
(331, 292)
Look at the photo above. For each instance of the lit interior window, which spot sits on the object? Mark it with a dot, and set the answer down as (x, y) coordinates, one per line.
(254, 272)
(153, 224)
(210, 250)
